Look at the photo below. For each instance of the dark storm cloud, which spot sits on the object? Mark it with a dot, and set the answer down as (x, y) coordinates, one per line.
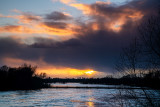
(130, 11)
(7, 47)
(97, 49)
(142, 5)
(12, 48)
(57, 16)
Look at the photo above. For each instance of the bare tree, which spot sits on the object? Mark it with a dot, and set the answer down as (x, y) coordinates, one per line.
(145, 56)
(139, 57)
(129, 59)
(150, 35)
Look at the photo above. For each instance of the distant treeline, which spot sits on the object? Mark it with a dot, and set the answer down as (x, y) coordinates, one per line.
(21, 78)
(150, 79)
(25, 78)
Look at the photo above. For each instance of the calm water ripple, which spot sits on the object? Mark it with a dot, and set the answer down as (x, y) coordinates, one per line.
(62, 98)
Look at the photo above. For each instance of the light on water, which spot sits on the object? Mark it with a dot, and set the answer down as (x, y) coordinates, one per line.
(68, 97)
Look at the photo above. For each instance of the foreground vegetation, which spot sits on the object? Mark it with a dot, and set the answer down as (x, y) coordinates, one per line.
(21, 78)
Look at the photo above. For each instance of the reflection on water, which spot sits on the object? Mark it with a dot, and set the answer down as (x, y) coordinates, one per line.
(84, 85)
(61, 97)
(90, 102)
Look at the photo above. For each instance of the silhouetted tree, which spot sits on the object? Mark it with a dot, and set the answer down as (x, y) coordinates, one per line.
(150, 36)
(23, 77)
(129, 59)
(42, 75)
(143, 56)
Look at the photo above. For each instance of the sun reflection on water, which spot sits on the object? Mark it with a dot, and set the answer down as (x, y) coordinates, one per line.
(90, 103)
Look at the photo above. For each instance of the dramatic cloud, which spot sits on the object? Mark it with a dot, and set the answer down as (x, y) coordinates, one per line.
(21, 53)
(33, 24)
(114, 17)
(94, 50)
(92, 44)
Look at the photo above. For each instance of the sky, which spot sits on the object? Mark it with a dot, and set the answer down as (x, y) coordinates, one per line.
(70, 38)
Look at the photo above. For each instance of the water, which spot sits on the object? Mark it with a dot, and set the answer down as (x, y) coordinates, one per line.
(86, 85)
(70, 97)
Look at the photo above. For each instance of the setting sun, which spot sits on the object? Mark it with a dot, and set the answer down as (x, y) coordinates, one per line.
(89, 72)
(65, 72)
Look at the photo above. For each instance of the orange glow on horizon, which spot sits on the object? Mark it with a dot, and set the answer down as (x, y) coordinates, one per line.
(56, 71)
(65, 72)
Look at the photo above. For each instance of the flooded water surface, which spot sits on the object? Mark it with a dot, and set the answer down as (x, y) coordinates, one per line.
(67, 97)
